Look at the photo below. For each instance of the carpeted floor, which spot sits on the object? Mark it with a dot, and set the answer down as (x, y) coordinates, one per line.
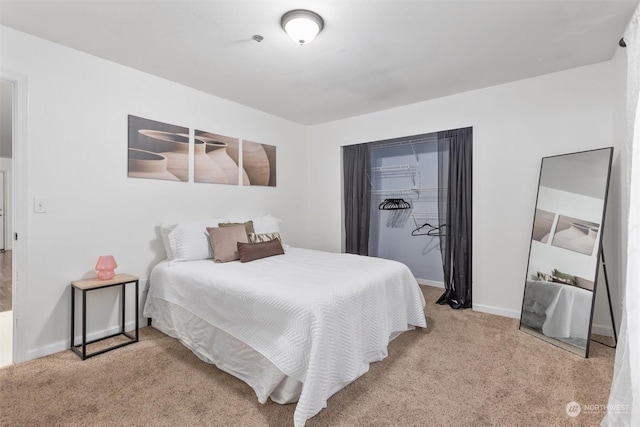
(465, 369)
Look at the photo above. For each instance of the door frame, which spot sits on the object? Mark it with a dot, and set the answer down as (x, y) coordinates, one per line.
(3, 205)
(20, 211)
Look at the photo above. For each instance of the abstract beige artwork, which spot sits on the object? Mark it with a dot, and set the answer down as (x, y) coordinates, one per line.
(161, 151)
(216, 159)
(157, 150)
(259, 163)
(542, 223)
(575, 235)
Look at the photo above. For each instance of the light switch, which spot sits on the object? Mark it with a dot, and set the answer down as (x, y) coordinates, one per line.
(39, 205)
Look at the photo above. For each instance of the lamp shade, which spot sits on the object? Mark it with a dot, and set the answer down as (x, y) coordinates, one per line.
(105, 266)
(302, 25)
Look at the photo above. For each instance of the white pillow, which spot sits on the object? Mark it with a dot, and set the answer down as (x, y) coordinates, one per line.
(266, 224)
(189, 241)
(165, 229)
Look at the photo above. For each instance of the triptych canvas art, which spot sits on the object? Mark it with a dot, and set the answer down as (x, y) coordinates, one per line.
(570, 233)
(161, 151)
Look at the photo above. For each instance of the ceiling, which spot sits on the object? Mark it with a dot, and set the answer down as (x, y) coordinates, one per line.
(372, 54)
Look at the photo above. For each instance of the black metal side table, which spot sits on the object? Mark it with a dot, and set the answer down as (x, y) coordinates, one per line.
(89, 285)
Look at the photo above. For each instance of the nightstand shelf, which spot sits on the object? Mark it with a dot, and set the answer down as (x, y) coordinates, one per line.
(92, 284)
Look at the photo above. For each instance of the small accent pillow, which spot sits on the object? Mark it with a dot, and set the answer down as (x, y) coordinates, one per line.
(561, 280)
(247, 225)
(224, 241)
(544, 277)
(253, 251)
(264, 237)
(262, 224)
(566, 278)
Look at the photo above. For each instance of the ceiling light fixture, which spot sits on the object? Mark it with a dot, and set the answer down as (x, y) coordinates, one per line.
(302, 25)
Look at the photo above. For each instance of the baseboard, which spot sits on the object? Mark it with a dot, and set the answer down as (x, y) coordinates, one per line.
(604, 330)
(66, 344)
(499, 311)
(425, 282)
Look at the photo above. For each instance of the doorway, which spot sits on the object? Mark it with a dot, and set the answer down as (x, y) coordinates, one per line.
(405, 171)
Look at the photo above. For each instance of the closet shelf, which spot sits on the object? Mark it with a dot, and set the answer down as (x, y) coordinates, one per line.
(403, 192)
(431, 138)
(425, 189)
(398, 171)
(407, 191)
(397, 168)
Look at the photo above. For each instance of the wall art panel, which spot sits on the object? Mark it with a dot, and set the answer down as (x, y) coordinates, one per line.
(542, 224)
(157, 150)
(259, 162)
(575, 235)
(216, 159)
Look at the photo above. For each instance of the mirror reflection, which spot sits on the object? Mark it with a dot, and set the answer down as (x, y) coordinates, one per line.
(565, 248)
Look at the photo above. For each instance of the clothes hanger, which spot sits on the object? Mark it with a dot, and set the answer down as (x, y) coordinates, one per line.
(394, 204)
(437, 231)
(432, 231)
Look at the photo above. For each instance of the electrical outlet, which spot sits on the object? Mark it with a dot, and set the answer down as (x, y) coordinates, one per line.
(39, 205)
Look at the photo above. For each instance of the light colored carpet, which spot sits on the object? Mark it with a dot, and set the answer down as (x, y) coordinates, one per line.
(465, 369)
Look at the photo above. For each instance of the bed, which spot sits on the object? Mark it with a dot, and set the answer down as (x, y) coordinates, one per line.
(297, 327)
(558, 310)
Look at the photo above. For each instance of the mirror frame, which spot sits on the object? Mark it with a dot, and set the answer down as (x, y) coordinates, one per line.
(529, 330)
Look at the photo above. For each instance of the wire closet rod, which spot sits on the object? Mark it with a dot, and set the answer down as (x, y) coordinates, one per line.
(430, 215)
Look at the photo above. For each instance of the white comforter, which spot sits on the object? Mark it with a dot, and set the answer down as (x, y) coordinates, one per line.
(321, 318)
(567, 308)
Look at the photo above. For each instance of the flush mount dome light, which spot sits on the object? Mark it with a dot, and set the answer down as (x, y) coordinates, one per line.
(302, 25)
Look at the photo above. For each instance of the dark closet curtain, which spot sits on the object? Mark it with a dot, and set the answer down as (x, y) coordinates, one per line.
(454, 210)
(357, 198)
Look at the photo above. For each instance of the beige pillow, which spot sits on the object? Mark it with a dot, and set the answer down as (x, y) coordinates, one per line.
(224, 242)
(247, 225)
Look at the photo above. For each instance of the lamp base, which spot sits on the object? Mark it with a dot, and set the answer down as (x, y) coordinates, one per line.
(106, 274)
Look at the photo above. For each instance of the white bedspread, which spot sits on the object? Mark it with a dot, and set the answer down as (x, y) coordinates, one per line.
(321, 318)
(567, 308)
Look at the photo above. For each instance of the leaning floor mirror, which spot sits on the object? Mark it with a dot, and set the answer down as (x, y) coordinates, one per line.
(565, 249)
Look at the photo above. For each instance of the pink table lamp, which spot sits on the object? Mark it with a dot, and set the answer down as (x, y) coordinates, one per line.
(105, 266)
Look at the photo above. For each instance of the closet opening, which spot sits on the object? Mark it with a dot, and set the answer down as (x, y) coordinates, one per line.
(409, 199)
(407, 169)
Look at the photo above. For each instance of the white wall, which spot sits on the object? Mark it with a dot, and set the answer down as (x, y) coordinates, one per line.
(6, 118)
(514, 126)
(77, 162)
(615, 229)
